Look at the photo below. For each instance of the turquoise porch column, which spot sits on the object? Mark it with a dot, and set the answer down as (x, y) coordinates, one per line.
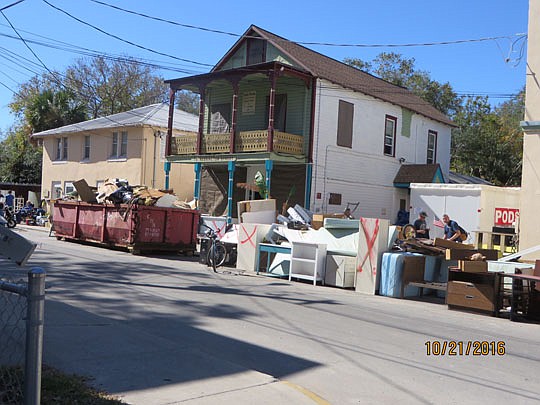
(197, 184)
(167, 168)
(307, 196)
(231, 167)
(269, 165)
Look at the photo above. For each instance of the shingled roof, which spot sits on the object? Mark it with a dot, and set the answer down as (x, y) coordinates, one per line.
(324, 67)
(415, 173)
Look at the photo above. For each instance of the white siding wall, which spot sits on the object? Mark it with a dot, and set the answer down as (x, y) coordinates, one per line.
(363, 173)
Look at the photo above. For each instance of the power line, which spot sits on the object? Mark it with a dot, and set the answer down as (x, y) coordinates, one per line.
(122, 39)
(11, 5)
(460, 41)
(9, 88)
(93, 53)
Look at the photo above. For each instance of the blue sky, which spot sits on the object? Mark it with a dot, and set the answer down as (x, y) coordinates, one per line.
(493, 67)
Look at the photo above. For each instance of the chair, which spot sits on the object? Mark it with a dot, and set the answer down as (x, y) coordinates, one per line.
(526, 294)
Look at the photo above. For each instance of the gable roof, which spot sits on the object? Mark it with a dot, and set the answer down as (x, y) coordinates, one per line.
(324, 67)
(155, 115)
(427, 173)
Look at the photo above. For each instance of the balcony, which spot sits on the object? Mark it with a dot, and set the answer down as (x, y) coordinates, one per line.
(245, 142)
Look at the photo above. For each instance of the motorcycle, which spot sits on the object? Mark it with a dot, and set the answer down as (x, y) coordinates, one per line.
(9, 217)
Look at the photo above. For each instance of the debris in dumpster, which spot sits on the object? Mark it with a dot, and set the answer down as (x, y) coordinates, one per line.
(85, 191)
(119, 191)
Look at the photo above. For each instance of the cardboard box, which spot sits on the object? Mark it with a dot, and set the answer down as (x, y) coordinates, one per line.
(473, 267)
(318, 219)
(255, 206)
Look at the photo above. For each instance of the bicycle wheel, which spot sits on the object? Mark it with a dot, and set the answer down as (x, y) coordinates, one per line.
(216, 255)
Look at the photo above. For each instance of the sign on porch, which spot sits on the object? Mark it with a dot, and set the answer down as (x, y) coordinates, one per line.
(248, 102)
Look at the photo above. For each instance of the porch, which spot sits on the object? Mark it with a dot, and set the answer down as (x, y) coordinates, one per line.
(258, 109)
(245, 141)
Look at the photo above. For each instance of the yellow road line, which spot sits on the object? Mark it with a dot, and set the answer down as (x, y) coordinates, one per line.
(317, 399)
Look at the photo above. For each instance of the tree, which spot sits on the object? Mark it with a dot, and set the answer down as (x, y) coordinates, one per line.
(89, 88)
(401, 71)
(488, 142)
(188, 101)
(50, 109)
(108, 87)
(20, 161)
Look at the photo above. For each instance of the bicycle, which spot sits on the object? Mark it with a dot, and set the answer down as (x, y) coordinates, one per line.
(216, 251)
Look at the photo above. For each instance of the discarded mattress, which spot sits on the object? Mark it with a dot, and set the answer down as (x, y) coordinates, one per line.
(392, 276)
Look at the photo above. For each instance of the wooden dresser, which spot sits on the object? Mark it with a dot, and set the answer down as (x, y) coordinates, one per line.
(474, 291)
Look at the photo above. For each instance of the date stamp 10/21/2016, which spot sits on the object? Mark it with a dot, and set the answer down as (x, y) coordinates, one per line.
(465, 348)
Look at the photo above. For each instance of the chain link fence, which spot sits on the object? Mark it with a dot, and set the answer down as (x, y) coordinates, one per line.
(21, 338)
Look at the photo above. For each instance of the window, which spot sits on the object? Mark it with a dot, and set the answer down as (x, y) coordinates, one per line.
(68, 187)
(334, 199)
(123, 144)
(256, 51)
(345, 124)
(61, 149)
(390, 125)
(119, 145)
(56, 190)
(431, 147)
(86, 151)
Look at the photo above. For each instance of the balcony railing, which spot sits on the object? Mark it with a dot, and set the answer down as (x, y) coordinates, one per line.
(246, 141)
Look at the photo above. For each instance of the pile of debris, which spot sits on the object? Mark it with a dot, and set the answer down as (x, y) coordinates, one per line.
(119, 191)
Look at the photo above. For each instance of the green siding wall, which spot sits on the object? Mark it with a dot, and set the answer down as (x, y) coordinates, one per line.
(238, 59)
(298, 103)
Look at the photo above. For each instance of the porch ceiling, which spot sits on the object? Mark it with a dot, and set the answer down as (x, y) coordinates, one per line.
(238, 158)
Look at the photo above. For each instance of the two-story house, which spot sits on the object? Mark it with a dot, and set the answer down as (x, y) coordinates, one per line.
(336, 134)
(128, 145)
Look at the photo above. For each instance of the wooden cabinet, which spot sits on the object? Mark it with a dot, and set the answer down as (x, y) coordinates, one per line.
(476, 291)
(308, 261)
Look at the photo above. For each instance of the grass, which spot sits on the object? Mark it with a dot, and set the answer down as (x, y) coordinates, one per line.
(56, 388)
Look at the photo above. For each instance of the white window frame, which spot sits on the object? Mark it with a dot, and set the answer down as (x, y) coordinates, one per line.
(61, 149)
(56, 190)
(119, 145)
(86, 148)
(390, 136)
(431, 153)
(68, 185)
(123, 144)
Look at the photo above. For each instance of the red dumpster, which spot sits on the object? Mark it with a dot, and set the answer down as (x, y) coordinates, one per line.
(135, 227)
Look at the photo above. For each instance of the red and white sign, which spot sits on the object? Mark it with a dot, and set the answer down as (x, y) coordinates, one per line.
(506, 216)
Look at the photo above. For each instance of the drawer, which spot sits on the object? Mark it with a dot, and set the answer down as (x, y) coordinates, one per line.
(467, 288)
(470, 301)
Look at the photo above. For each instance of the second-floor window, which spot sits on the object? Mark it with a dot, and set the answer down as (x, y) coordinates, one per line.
(345, 124)
(390, 124)
(86, 150)
(61, 149)
(119, 144)
(431, 147)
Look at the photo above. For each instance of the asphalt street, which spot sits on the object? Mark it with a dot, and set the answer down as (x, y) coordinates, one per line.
(167, 330)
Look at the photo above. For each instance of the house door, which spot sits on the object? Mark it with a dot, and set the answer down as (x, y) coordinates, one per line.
(280, 112)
